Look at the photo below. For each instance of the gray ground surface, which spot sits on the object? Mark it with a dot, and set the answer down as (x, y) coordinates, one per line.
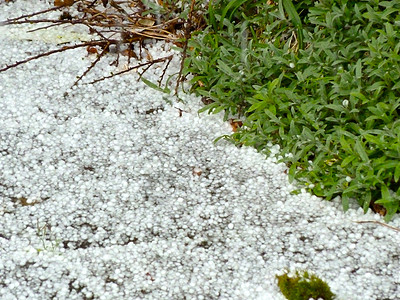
(136, 202)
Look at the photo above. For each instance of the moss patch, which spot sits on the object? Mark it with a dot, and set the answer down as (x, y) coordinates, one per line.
(304, 286)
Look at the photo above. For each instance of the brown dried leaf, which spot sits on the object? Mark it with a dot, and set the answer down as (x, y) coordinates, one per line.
(24, 201)
(91, 50)
(206, 100)
(379, 209)
(235, 124)
(146, 22)
(63, 2)
(149, 57)
(197, 171)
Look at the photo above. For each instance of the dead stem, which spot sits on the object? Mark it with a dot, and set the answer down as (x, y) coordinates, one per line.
(65, 48)
(380, 223)
(188, 26)
(146, 64)
(105, 50)
(11, 21)
(115, 26)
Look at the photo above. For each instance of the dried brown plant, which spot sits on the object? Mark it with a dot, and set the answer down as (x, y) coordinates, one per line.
(118, 25)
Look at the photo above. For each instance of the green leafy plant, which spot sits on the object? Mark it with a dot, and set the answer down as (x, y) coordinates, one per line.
(304, 286)
(294, 18)
(319, 78)
(332, 105)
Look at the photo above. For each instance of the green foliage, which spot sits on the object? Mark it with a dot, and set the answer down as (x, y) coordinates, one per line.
(294, 18)
(333, 106)
(303, 287)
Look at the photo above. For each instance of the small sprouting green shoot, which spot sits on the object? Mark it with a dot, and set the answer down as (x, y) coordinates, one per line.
(51, 245)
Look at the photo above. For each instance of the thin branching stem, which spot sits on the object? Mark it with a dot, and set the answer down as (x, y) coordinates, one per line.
(65, 48)
(379, 223)
(93, 64)
(13, 21)
(159, 60)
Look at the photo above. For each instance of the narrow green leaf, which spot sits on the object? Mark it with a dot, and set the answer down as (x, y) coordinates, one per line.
(292, 13)
(152, 85)
(385, 193)
(367, 201)
(272, 108)
(335, 107)
(361, 151)
(272, 116)
(372, 139)
(208, 107)
(295, 19)
(218, 109)
(232, 4)
(388, 165)
(292, 172)
(376, 86)
(345, 144)
(272, 85)
(345, 202)
(211, 15)
(225, 136)
(347, 160)
(358, 69)
(397, 173)
(396, 86)
(389, 30)
(359, 96)
(258, 106)
(391, 209)
(225, 68)
(352, 188)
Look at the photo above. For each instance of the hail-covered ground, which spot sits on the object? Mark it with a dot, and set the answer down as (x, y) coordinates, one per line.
(107, 191)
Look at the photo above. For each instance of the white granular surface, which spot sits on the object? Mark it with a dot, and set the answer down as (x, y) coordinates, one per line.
(131, 200)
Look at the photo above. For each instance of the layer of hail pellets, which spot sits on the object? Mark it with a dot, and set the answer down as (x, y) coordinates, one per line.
(117, 191)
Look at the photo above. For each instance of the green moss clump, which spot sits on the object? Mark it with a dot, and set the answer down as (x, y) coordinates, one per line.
(303, 287)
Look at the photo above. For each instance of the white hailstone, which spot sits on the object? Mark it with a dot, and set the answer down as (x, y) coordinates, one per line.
(345, 103)
(292, 65)
(251, 197)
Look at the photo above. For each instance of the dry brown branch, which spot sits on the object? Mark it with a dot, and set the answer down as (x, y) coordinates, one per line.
(159, 81)
(11, 21)
(146, 64)
(65, 48)
(123, 22)
(188, 26)
(93, 64)
(380, 223)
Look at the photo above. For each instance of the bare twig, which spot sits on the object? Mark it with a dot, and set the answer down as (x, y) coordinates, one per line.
(92, 43)
(380, 223)
(117, 20)
(12, 21)
(93, 64)
(159, 81)
(144, 71)
(188, 26)
(162, 59)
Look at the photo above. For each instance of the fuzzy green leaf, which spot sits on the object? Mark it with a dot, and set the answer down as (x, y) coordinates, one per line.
(397, 173)
(361, 151)
(294, 18)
